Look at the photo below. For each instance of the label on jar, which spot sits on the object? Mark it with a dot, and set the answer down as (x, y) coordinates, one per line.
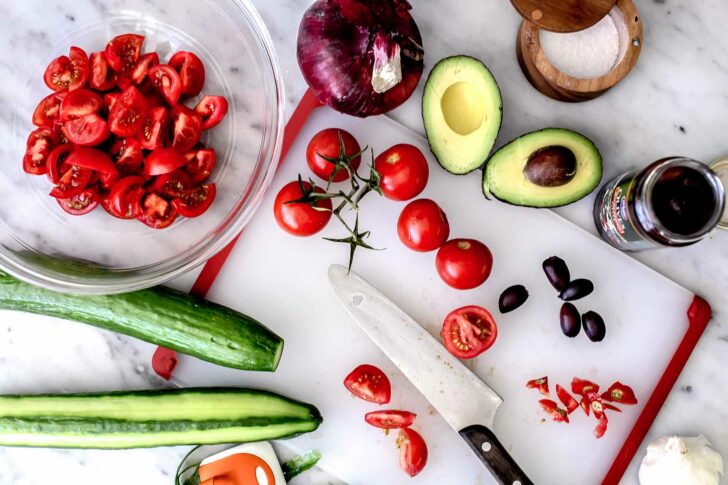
(616, 223)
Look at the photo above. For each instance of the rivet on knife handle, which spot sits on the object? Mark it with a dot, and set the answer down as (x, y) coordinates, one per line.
(492, 453)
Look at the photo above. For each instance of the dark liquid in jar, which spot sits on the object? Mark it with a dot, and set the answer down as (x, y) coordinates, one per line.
(683, 200)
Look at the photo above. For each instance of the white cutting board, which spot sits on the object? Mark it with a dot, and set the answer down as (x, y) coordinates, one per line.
(281, 280)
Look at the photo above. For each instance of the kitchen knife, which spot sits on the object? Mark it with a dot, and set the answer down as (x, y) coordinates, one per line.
(461, 398)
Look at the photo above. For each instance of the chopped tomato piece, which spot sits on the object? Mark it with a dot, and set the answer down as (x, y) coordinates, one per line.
(163, 161)
(542, 384)
(157, 213)
(186, 128)
(79, 103)
(72, 182)
(127, 154)
(92, 159)
(191, 72)
(172, 185)
(68, 72)
(89, 130)
(154, 132)
(581, 386)
(80, 204)
(101, 78)
(128, 113)
(212, 109)
(48, 111)
(200, 164)
(390, 419)
(139, 73)
(412, 451)
(566, 399)
(119, 200)
(166, 81)
(620, 393)
(56, 159)
(41, 142)
(369, 383)
(123, 51)
(195, 202)
(557, 414)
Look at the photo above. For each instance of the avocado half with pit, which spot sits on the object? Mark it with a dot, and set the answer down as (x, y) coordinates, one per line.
(462, 112)
(546, 168)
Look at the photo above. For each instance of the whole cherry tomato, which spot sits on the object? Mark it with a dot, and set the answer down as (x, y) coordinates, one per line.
(464, 263)
(326, 144)
(404, 172)
(300, 218)
(423, 226)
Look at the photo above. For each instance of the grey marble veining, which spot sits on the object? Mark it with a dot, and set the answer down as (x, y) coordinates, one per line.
(675, 102)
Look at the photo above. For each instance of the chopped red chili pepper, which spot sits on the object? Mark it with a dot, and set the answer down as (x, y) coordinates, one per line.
(620, 393)
(585, 406)
(566, 399)
(559, 415)
(164, 362)
(595, 403)
(601, 428)
(582, 386)
(608, 406)
(542, 384)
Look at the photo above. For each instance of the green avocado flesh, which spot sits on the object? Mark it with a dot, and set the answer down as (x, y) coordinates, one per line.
(504, 176)
(139, 419)
(462, 112)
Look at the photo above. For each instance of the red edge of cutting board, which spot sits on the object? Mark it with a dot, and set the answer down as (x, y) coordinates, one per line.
(698, 315)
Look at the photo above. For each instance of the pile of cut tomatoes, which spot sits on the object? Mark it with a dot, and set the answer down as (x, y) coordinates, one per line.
(115, 133)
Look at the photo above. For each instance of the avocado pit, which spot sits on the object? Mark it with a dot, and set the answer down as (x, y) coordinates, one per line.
(551, 166)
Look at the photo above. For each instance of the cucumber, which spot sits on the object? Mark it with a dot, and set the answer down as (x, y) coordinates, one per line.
(142, 419)
(159, 315)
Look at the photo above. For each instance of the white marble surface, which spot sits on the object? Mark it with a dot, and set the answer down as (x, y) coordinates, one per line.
(674, 102)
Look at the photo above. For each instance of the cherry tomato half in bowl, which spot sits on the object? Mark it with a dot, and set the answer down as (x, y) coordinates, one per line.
(390, 419)
(56, 161)
(163, 160)
(469, 331)
(327, 144)
(166, 81)
(48, 111)
(123, 51)
(73, 181)
(80, 204)
(128, 113)
(369, 383)
(41, 142)
(404, 172)
(464, 263)
(300, 218)
(195, 201)
(212, 109)
(68, 72)
(101, 77)
(79, 103)
(92, 159)
(412, 451)
(172, 185)
(200, 163)
(186, 128)
(191, 72)
(156, 212)
(423, 226)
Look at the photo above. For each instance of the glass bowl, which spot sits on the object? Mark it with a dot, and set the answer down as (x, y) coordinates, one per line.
(96, 253)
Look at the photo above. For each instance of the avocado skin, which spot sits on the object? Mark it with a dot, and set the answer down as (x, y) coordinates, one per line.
(595, 182)
(422, 110)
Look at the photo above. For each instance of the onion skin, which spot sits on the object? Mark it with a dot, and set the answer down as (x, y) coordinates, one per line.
(336, 53)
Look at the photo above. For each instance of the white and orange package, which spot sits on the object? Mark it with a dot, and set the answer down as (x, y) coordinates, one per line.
(248, 464)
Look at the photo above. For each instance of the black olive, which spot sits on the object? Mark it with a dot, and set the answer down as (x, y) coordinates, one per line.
(557, 272)
(570, 320)
(577, 289)
(512, 297)
(594, 326)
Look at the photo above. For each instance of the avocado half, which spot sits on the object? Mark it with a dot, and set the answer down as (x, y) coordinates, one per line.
(509, 174)
(462, 112)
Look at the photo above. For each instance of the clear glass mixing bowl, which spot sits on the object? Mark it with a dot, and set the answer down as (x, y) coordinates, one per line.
(96, 253)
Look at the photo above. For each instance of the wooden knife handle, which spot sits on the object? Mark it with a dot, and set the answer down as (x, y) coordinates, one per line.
(494, 456)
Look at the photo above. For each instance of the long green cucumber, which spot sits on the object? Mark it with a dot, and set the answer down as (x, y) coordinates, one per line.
(159, 315)
(142, 419)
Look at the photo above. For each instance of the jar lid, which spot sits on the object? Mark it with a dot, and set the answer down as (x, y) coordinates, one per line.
(564, 15)
(720, 167)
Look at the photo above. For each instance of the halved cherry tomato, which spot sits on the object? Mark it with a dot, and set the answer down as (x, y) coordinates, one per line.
(123, 51)
(157, 213)
(107, 179)
(300, 218)
(195, 201)
(49, 109)
(542, 384)
(110, 99)
(68, 72)
(79, 103)
(41, 142)
(620, 393)
(581, 386)
(200, 164)
(464, 263)
(557, 414)
(327, 144)
(412, 451)
(166, 81)
(390, 419)
(404, 172)
(56, 159)
(566, 399)
(172, 185)
(101, 78)
(119, 200)
(127, 154)
(212, 109)
(163, 161)
(80, 204)
(89, 130)
(72, 182)
(423, 226)
(191, 72)
(92, 159)
(139, 73)
(132, 203)
(601, 428)
(154, 132)
(469, 331)
(128, 113)
(186, 128)
(369, 383)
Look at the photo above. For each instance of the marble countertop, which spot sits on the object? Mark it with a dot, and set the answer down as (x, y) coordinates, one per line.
(675, 102)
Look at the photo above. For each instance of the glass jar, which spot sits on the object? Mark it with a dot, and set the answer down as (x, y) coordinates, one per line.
(673, 202)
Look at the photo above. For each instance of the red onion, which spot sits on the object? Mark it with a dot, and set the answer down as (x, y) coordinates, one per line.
(361, 57)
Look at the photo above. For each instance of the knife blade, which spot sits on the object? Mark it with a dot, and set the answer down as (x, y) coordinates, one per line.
(467, 404)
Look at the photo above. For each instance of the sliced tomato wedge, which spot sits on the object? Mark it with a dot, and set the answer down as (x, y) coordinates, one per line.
(601, 428)
(120, 199)
(89, 130)
(163, 160)
(195, 201)
(566, 399)
(56, 160)
(128, 113)
(127, 154)
(123, 51)
(212, 109)
(156, 213)
(581, 387)
(73, 181)
(369, 383)
(92, 159)
(191, 72)
(542, 384)
(557, 414)
(154, 132)
(166, 82)
(101, 78)
(80, 103)
(469, 331)
(412, 451)
(620, 393)
(390, 419)
(200, 164)
(172, 185)
(186, 128)
(139, 73)
(68, 72)
(41, 142)
(82, 203)
(48, 111)
(110, 99)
